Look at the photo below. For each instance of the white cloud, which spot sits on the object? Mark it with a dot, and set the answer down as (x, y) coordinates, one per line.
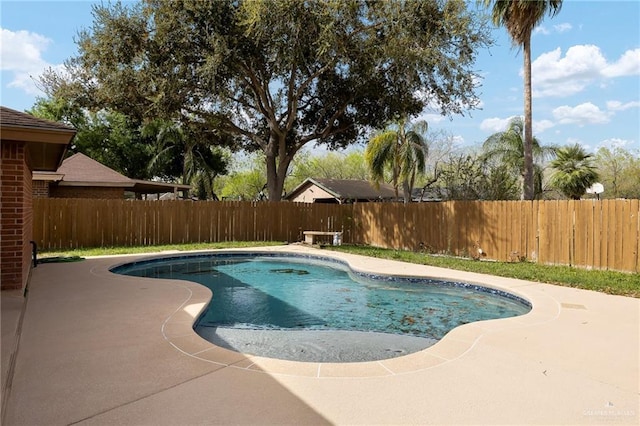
(21, 56)
(612, 143)
(541, 30)
(495, 124)
(586, 113)
(540, 126)
(430, 118)
(432, 111)
(619, 106)
(564, 27)
(628, 64)
(554, 75)
(574, 141)
(560, 28)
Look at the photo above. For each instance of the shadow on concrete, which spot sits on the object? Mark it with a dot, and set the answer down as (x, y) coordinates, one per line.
(91, 351)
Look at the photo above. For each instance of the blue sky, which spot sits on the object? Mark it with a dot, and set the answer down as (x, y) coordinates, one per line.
(586, 71)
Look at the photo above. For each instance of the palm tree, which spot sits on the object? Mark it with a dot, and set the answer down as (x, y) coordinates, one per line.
(508, 148)
(574, 171)
(520, 17)
(402, 148)
(181, 151)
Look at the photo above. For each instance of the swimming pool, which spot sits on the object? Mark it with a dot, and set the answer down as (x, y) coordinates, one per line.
(315, 308)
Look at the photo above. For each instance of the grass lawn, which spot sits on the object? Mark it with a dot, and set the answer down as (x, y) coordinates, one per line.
(618, 283)
(107, 251)
(611, 282)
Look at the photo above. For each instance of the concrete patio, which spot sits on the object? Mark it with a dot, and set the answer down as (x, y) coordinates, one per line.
(98, 348)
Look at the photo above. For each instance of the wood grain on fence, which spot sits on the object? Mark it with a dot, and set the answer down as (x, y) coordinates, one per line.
(595, 234)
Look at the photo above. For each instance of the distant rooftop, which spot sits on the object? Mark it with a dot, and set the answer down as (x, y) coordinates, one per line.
(345, 190)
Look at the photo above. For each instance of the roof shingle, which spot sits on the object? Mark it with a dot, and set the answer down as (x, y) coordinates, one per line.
(12, 118)
(80, 168)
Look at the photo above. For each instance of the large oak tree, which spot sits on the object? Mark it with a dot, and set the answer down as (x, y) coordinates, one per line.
(280, 74)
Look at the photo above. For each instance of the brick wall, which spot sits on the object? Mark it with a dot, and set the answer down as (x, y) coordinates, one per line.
(16, 216)
(27, 213)
(85, 192)
(40, 189)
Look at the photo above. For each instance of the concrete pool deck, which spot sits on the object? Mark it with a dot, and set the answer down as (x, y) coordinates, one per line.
(100, 348)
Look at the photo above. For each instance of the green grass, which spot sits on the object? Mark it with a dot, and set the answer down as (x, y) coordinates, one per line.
(618, 283)
(107, 251)
(611, 282)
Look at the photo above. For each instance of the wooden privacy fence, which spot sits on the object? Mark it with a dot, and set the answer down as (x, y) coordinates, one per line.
(73, 223)
(595, 234)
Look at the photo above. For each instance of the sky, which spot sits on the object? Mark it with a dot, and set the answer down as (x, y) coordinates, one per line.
(585, 71)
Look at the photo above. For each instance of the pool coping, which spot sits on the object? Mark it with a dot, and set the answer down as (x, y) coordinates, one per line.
(177, 328)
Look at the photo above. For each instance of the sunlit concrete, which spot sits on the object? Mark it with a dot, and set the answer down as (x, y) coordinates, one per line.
(101, 348)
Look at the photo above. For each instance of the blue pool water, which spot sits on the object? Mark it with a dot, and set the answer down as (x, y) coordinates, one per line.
(268, 292)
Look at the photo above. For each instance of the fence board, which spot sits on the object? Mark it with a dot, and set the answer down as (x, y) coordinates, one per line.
(564, 234)
(580, 235)
(534, 250)
(596, 235)
(635, 207)
(544, 221)
(630, 229)
(517, 227)
(604, 236)
(491, 221)
(619, 226)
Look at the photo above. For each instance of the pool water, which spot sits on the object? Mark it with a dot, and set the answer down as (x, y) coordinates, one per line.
(290, 293)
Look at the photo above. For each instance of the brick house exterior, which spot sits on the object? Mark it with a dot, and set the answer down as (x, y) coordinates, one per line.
(40, 189)
(87, 192)
(26, 144)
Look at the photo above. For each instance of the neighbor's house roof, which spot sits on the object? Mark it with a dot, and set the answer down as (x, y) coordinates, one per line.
(340, 190)
(80, 170)
(46, 141)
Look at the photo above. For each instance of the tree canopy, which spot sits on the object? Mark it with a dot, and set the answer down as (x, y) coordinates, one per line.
(619, 171)
(328, 165)
(276, 75)
(467, 176)
(574, 171)
(507, 148)
(156, 150)
(108, 137)
(402, 149)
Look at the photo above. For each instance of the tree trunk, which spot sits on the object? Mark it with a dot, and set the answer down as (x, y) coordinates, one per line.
(406, 189)
(272, 174)
(278, 162)
(276, 174)
(528, 121)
